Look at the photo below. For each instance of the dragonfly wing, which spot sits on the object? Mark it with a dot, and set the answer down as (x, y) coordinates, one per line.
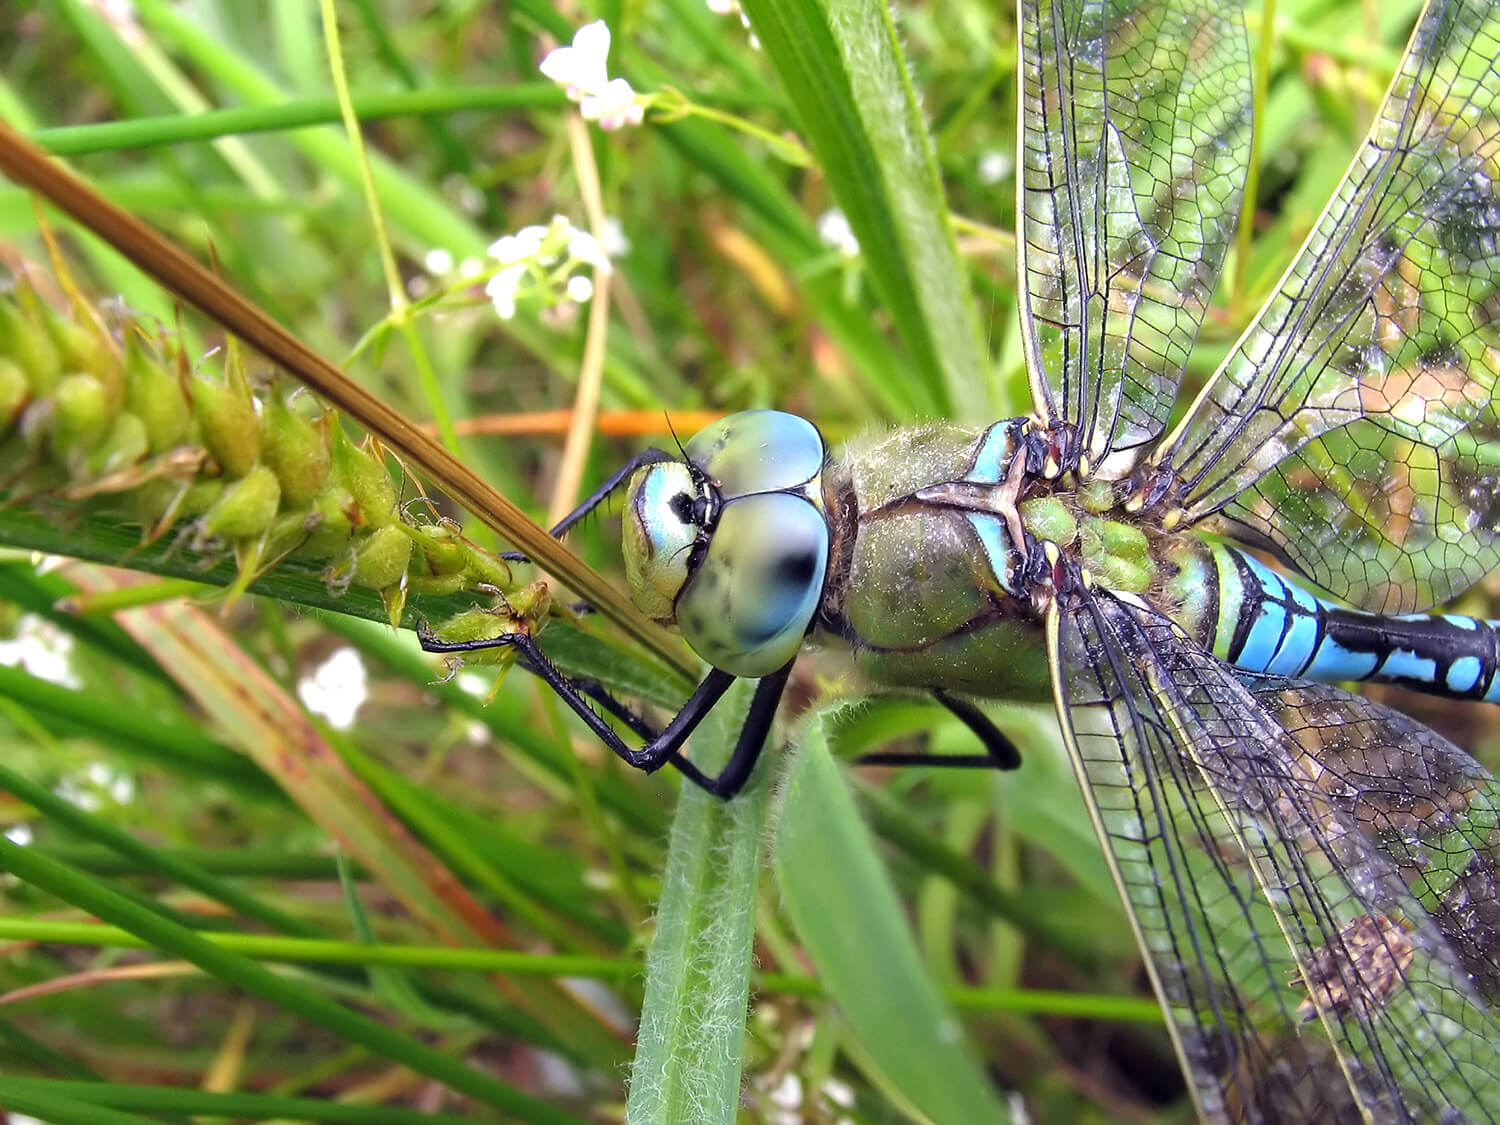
(1301, 973)
(1355, 426)
(1135, 133)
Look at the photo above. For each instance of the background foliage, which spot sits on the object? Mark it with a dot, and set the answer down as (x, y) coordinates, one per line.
(443, 909)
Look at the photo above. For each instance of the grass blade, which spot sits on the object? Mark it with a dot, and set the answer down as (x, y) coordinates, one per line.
(842, 67)
(67, 884)
(848, 917)
(687, 1064)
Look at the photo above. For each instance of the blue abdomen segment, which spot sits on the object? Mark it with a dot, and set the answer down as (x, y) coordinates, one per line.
(1267, 623)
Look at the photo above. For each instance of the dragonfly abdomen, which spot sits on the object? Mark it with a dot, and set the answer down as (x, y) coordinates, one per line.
(1268, 623)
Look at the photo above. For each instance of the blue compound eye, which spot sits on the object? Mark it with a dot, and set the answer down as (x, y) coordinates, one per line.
(659, 532)
(758, 451)
(747, 605)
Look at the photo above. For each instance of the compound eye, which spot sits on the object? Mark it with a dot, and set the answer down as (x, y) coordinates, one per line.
(747, 606)
(659, 533)
(758, 451)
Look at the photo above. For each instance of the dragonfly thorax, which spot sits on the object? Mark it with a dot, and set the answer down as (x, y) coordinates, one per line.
(731, 543)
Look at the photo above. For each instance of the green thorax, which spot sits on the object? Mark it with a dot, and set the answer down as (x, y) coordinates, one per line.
(917, 589)
(924, 583)
(1126, 552)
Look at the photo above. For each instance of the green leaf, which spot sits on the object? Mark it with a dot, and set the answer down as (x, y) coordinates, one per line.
(844, 74)
(687, 1064)
(850, 921)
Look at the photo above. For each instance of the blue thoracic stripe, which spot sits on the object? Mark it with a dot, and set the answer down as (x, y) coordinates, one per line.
(992, 456)
(1282, 629)
(996, 543)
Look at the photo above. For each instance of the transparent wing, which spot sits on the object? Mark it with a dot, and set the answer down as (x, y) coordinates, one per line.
(1355, 426)
(1135, 132)
(1301, 866)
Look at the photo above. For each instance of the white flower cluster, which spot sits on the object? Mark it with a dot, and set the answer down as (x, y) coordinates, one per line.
(547, 256)
(834, 230)
(581, 71)
(732, 8)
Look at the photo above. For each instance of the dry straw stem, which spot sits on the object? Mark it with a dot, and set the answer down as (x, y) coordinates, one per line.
(185, 277)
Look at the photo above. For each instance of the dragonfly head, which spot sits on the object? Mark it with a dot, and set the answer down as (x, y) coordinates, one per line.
(732, 543)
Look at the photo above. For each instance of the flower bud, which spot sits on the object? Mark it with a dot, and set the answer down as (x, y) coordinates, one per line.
(153, 394)
(367, 481)
(231, 425)
(296, 450)
(246, 508)
(380, 558)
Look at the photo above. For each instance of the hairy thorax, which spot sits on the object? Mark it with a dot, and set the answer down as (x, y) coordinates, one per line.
(932, 526)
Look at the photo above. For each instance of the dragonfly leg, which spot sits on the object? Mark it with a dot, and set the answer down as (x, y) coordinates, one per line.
(731, 779)
(598, 496)
(651, 756)
(1000, 752)
(752, 740)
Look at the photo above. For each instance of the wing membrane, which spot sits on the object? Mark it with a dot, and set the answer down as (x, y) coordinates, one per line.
(1355, 426)
(1278, 849)
(1135, 131)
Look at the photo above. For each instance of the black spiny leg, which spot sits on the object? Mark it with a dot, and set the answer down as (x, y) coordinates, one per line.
(752, 740)
(599, 495)
(731, 779)
(999, 751)
(662, 747)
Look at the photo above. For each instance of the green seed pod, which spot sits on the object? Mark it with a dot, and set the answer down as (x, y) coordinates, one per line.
(154, 395)
(330, 529)
(476, 625)
(80, 415)
(162, 497)
(367, 481)
(84, 347)
(289, 532)
(28, 344)
(296, 450)
(232, 427)
(124, 445)
(246, 508)
(380, 558)
(440, 552)
(485, 566)
(15, 393)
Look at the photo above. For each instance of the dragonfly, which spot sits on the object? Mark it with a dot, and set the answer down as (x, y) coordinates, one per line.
(1311, 875)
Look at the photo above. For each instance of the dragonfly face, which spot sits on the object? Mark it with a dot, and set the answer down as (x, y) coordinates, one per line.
(731, 542)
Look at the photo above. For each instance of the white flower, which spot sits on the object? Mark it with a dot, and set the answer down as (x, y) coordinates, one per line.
(612, 238)
(613, 107)
(584, 247)
(581, 70)
(522, 246)
(579, 288)
(438, 261)
(995, 166)
(501, 290)
(336, 688)
(834, 230)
